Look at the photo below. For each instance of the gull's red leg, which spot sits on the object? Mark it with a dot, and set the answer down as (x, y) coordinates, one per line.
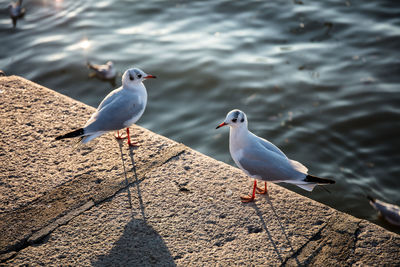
(262, 191)
(118, 136)
(129, 139)
(253, 195)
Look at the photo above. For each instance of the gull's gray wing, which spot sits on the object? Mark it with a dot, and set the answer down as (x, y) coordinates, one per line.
(102, 71)
(109, 98)
(268, 145)
(271, 147)
(96, 67)
(114, 114)
(267, 165)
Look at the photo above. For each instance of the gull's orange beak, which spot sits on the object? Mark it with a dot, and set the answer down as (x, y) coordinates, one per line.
(222, 124)
(150, 76)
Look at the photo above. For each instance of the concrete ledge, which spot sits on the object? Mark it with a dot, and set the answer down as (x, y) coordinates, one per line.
(62, 205)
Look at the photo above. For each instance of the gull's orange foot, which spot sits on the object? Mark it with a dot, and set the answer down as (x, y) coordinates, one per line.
(118, 136)
(131, 144)
(250, 198)
(246, 199)
(262, 191)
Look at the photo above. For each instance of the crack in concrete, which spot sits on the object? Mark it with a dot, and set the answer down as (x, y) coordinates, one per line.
(39, 235)
(60, 211)
(313, 238)
(335, 242)
(357, 232)
(42, 233)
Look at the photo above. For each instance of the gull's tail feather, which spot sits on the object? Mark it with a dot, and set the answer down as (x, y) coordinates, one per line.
(307, 187)
(371, 199)
(78, 132)
(314, 179)
(91, 66)
(89, 137)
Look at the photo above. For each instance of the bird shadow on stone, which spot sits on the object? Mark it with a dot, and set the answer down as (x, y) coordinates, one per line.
(131, 155)
(284, 232)
(264, 225)
(136, 180)
(120, 144)
(139, 245)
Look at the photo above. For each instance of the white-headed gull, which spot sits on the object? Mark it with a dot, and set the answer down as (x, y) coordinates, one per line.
(262, 160)
(389, 212)
(106, 71)
(119, 109)
(16, 11)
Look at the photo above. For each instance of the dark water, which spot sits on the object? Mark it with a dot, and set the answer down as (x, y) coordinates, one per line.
(320, 79)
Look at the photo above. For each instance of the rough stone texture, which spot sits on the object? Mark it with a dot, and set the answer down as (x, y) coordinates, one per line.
(61, 205)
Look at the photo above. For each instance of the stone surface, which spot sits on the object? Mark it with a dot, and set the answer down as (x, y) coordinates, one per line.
(67, 205)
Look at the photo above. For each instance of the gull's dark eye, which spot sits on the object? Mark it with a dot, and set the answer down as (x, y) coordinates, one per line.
(242, 120)
(139, 76)
(234, 120)
(131, 77)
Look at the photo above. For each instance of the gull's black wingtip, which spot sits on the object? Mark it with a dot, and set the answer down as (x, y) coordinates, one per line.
(317, 180)
(371, 198)
(78, 132)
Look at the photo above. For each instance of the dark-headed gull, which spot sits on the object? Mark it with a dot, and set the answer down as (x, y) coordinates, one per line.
(262, 160)
(119, 109)
(106, 71)
(389, 212)
(16, 11)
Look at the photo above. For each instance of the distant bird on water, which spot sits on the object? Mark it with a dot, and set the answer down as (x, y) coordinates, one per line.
(262, 160)
(119, 109)
(389, 212)
(16, 11)
(105, 72)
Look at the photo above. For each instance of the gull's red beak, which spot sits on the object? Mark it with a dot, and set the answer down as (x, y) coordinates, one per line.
(150, 76)
(222, 124)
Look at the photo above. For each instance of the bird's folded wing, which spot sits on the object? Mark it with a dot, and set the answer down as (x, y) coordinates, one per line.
(389, 211)
(268, 145)
(102, 71)
(268, 166)
(107, 100)
(93, 66)
(114, 115)
(298, 166)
